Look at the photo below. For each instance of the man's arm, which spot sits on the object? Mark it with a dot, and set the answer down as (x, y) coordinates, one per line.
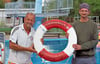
(20, 48)
(93, 42)
(88, 44)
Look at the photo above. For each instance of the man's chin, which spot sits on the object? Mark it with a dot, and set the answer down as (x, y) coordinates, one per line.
(29, 26)
(84, 16)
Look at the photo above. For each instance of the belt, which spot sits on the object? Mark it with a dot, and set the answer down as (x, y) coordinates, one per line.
(85, 56)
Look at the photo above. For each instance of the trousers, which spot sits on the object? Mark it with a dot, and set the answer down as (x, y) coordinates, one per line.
(84, 60)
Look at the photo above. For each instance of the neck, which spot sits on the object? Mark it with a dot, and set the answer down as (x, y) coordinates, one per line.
(27, 29)
(84, 19)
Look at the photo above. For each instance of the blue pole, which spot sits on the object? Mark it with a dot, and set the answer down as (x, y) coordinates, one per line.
(38, 6)
(38, 10)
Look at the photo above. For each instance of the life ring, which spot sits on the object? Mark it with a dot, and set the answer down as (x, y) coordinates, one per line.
(42, 52)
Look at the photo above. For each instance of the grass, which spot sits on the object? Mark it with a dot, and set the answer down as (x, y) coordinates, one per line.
(5, 29)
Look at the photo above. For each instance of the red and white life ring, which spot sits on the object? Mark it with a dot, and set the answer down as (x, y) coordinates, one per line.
(42, 52)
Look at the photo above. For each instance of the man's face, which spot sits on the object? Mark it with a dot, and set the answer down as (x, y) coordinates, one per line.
(84, 12)
(29, 20)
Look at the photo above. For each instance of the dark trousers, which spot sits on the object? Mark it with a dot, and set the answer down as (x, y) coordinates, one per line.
(84, 60)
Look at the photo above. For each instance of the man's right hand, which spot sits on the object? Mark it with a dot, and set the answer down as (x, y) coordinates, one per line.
(31, 49)
(67, 34)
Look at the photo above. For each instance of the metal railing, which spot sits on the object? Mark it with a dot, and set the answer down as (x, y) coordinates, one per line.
(21, 8)
(19, 5)
(57, 4)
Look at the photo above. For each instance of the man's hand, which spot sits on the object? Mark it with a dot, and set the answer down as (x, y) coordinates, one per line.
(77, 47)
(42, 40)
(31, 49)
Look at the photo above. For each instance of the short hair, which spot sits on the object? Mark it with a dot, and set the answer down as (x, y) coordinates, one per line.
(30, 14)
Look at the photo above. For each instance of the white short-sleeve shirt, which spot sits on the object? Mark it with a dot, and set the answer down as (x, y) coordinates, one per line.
(20, 37)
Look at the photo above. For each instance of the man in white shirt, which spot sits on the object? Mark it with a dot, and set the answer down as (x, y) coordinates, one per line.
(21, 41)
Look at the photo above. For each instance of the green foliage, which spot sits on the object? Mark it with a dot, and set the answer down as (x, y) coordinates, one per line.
(23, 0)
(2, 5)
(94, 6)
(51, 5)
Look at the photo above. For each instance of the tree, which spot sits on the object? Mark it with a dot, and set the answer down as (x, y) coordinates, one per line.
(2, 5)
(94, 6)
(23, 0)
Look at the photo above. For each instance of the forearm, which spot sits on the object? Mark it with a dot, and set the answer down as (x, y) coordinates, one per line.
(89, 44)
(17, 47)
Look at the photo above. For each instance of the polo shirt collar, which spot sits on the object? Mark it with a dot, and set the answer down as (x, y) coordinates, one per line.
(22, 27)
